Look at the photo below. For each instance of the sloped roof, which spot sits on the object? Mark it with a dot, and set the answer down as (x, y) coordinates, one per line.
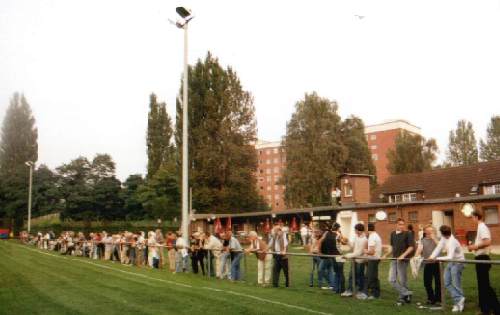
(441, 183)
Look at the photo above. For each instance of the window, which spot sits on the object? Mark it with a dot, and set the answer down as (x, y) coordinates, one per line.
(268, 161)
(268, 179)
(276, 161)
(277, 197)
(413, 196)
(372, 218)
(261, 179)
(492, 189)
(491, 215)
(277, 204)
(413, 216)
(397, 198)
(268, 188)
(276, 170)
(276, 187)
(268, 152)
(375, 157)
(374, 147)
(347, 190)
(261, 171)
(268, 171)
(261, 187)
(392, 217)
(373, 137)
(275, 150)
(269, 197)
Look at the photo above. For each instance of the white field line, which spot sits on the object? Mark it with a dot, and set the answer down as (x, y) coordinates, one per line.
(253, 297)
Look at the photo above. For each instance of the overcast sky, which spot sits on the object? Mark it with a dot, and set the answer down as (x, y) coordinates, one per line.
(87, 67)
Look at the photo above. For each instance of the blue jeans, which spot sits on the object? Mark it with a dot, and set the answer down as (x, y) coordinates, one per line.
(453, 280)
(339, 277)
(315, 267)
(359, 270)
(235, 266)
(224, 258)
(181, 263)
(326, 266)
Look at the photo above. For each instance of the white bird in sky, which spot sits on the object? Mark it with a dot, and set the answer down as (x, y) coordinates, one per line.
(359, 16)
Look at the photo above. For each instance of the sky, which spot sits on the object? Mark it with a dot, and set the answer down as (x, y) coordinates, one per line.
(87, 67)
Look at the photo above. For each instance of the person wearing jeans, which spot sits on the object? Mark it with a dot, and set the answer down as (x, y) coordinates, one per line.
(236, 254)
(453, 271)
(358, 245)
(374, 250)
(327, 265)
(488, 301)
(314, 250)
(402, 244)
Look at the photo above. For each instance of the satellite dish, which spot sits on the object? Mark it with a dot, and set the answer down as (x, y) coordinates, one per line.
(467, 209)
(381, 215)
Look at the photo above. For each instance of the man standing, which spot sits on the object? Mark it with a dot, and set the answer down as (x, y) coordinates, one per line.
(259, 247)
(213, 246)
(453, 271)
(327, 246)
(372, 284)
(278, 244)
(488, 301)
(236, 254)
(358, 245)
(431, 269)
(402, 244)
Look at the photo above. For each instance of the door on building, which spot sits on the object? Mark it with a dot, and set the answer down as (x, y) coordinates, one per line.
(444, 217)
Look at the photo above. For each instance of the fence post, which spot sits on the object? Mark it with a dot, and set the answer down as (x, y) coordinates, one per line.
(209, 269)
(245, 266)
(441, 278)
(354, 288)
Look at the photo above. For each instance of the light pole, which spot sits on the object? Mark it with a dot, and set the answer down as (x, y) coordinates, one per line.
(30, 164)
(186, 16)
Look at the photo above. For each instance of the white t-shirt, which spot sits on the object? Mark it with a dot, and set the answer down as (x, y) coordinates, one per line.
(375, 241)
(482, 233)
(304, 231)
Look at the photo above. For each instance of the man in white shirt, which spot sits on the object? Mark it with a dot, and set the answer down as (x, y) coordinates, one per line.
(374, 250)
(453, 271)
(181, 257)
(304, 235)
(358, 245)
(214, 247)
(264, 260)
(488, 301)
(278, 244)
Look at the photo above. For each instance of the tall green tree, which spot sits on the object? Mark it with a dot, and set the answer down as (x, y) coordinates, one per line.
(76, 187)
(134, 209)
(315, 152)
(358, 158)
(18, 144)
(159, 135)
(47, 194)
(412, 154)
(222, 130)
(490, 149)
(105, 188)
(462, 147)
(160, 197)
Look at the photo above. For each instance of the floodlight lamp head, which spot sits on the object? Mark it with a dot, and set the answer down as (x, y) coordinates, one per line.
(28, 163)
(183, 12)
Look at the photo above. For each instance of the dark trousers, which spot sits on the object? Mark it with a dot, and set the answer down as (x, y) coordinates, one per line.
(280, 262)
(197, 258)
(372, 284)
(338, 268)
(488, 301)
(359, 270)
(431, 273)
(315, 267)
(132, 255)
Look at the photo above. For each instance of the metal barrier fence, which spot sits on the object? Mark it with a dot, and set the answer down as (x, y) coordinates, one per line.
(210, 268)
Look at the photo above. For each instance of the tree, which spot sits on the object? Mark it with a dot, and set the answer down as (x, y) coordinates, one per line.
(19, 139)
(47, 194)
(159, 135)
(18, 144)
(160, 197)
(462, 147)
(315, 152)
(358, 158)
(134, 209)
(412, 154)
(490, 150)
(222, 130)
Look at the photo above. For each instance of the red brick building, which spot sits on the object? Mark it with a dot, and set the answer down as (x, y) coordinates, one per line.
(435, 197)
(381, 138)
(270, 166)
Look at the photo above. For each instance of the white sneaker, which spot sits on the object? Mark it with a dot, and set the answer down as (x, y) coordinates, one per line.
(346, 294)
(361, 296)
(461, 304)
(456, 308)
(325, 288)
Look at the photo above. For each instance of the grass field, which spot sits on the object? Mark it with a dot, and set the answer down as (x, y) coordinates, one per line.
(41, 282)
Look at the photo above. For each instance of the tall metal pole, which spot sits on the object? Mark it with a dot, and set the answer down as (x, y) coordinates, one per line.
(29, 198)
(185, 214)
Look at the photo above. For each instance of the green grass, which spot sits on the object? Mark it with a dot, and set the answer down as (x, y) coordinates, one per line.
(40, 282)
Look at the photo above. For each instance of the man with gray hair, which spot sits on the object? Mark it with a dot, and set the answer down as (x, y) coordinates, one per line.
(264, 260)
